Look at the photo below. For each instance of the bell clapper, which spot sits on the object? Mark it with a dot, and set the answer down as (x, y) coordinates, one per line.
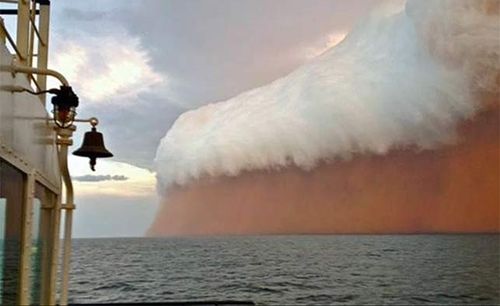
(92, 163)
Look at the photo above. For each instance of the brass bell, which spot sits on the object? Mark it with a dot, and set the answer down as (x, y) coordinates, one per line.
(93, 147)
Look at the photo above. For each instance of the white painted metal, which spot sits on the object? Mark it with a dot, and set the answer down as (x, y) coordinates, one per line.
(28, 140)
(22, 37)
(30, 70)
(3, 32)
(10, 156)
(64, 141)
(31, 32)
(29, 195)
(55, 239)
(31, 143)
(25, 127)
(68, 223)
(43, 46)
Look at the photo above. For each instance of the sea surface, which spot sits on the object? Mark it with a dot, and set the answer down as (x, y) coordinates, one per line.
(290, 270)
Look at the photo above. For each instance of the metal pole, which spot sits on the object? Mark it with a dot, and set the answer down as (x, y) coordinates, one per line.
(50, 294)
(31, 32)
(2, 34)
(43, 45)
(64, 140)
(31, 70)
(26, 239)
(23, 17)
(68, 223)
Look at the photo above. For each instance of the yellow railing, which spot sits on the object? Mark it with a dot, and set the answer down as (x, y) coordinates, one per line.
(31, 35)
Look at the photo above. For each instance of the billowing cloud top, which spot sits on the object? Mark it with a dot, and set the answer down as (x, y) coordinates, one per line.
(404, 77)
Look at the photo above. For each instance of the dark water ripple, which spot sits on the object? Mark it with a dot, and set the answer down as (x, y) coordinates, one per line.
(290, 270)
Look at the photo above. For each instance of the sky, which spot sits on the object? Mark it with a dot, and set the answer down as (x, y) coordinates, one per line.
(138, 65)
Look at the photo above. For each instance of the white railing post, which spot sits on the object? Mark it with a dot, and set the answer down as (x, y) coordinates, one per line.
(22, 38)
(63, 141)
(24, 277)
(43, 44)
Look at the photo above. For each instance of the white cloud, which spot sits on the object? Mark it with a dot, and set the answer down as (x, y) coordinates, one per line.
(326, 43)
(384, 87)
(140, 182)
(113, 208)
(106, 68)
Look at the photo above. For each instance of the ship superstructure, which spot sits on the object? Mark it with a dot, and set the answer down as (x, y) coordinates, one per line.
(35, 187)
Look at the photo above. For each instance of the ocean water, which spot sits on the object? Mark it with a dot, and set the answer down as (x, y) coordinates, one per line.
(290, 270)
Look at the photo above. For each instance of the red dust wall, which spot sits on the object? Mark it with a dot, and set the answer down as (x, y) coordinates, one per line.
(453, 189)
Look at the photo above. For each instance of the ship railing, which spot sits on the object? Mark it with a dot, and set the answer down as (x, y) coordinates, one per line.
(31, 41)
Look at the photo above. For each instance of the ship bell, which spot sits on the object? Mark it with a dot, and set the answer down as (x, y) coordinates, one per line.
(93, 147)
